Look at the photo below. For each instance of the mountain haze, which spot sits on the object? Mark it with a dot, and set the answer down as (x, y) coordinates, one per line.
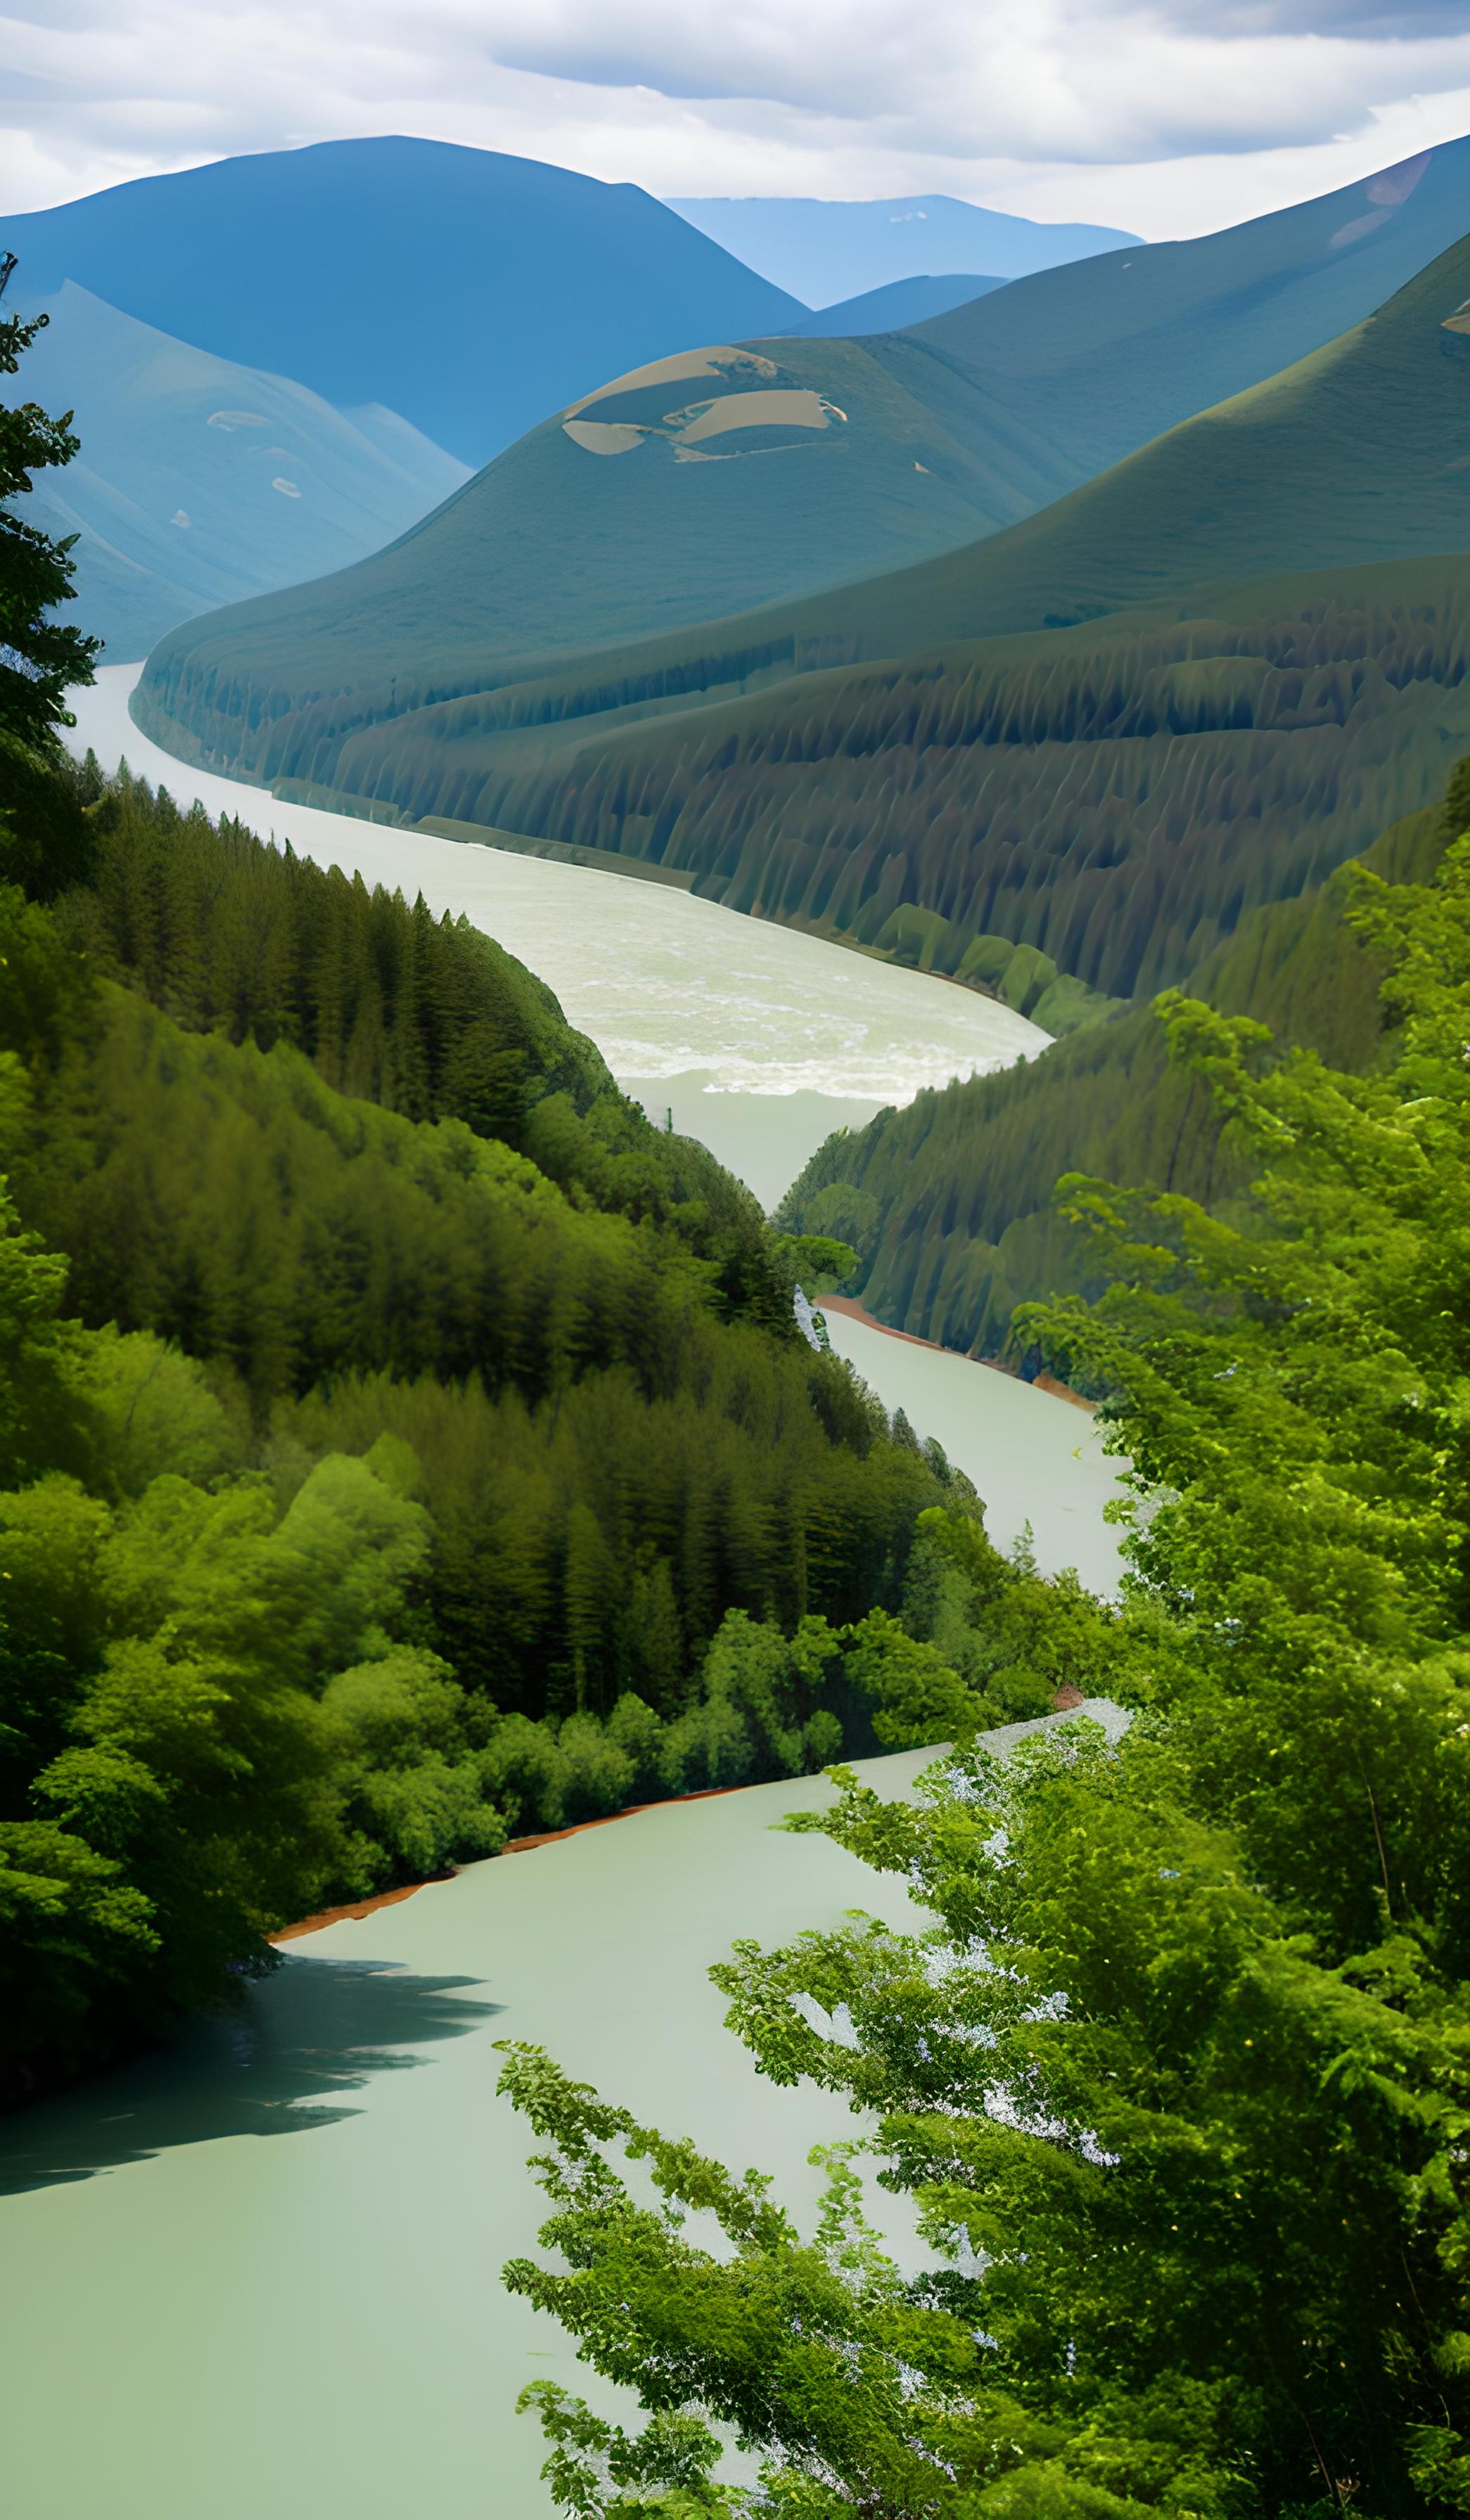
(472, 292)
(899, 303)
(823, 250)
(201, 483)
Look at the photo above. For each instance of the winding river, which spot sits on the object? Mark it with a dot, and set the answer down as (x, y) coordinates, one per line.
(762, 1041)
(257, 2276)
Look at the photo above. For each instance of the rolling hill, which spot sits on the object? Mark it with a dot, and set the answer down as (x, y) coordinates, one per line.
(202, 482)
(469, 291)
(1189, 689)
(714, 485)
(822, 251)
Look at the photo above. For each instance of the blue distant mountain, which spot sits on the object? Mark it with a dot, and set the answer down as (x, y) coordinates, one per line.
(200, 481)
(827, 251)
(894, 307)
(472, 293)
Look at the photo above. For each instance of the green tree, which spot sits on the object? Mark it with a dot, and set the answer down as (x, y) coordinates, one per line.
(42, 829)
(1180, 2080)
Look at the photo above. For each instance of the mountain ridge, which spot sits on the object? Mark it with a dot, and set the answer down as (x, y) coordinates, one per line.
(904, 450)
(328, 263)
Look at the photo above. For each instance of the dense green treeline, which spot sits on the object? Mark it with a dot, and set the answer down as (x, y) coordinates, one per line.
(371, 1492)
(1173, 2058)
(1118, 795)
(429, 1018)
(949, 1201)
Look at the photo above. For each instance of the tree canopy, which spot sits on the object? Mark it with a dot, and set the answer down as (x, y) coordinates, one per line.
(1176, 2068)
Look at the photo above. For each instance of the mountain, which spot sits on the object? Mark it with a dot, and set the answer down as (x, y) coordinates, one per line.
(897, 305)
(710, 486)
(1189, 688)
(201, 483)
(469, 291)
(822, 251)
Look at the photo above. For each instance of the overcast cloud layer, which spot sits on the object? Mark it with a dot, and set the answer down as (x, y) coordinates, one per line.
(1168, 120)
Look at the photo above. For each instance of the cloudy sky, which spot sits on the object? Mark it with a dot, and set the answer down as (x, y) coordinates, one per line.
(1170, 119)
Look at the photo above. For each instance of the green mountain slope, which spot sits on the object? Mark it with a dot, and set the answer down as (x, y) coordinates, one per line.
(1115, 792)
(948, 1200)
(637, 511)
(202, 483)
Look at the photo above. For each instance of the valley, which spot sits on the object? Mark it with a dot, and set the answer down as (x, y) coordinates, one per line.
(734, 1267)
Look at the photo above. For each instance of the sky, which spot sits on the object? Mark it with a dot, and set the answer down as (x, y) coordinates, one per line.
(1168, 120)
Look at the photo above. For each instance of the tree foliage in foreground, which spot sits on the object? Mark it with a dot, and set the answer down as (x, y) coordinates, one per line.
(1176, 2071)
(43, 837)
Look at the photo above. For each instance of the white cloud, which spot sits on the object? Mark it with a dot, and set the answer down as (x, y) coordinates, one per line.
(1168, 118)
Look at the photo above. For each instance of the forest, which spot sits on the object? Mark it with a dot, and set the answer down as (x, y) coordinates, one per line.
(456, 1348)
(949, 1201)
(1173, 2061)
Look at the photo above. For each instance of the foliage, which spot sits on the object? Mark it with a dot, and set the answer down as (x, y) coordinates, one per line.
(949, 1201)
(380, 1473)
(41, 832)
(1177, 2069)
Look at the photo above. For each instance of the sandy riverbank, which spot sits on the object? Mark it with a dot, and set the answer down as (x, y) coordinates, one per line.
(850, 1305)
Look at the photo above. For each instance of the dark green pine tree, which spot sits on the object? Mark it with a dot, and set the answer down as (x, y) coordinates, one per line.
(44, 835)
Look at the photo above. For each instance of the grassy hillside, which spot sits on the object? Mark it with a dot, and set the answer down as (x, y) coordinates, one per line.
(1180, 325)
(469, 291)
(577, 537)
(204, 482)
(949, 1200)
(913, 444)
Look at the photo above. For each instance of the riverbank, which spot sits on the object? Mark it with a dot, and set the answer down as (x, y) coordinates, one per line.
(1046, 1382)
(356, 1909)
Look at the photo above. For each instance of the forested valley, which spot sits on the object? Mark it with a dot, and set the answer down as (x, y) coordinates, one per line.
(1174, 2061)
(409, 1445)
(948, 1201)
(404, 1444)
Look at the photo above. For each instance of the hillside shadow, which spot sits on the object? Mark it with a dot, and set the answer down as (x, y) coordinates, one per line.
(278, 2060)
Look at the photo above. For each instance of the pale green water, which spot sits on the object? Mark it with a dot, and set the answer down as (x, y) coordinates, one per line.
(1035, 1458)
(677, 993)
(257, 2278)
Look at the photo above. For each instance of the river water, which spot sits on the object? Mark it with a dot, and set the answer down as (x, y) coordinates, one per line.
(257, 2277)
(761, 1040)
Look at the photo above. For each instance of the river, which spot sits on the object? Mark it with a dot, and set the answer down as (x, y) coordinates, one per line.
(256, 2277)
(761, 1040)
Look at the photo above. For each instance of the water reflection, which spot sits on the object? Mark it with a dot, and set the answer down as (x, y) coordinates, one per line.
(277, 2060)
